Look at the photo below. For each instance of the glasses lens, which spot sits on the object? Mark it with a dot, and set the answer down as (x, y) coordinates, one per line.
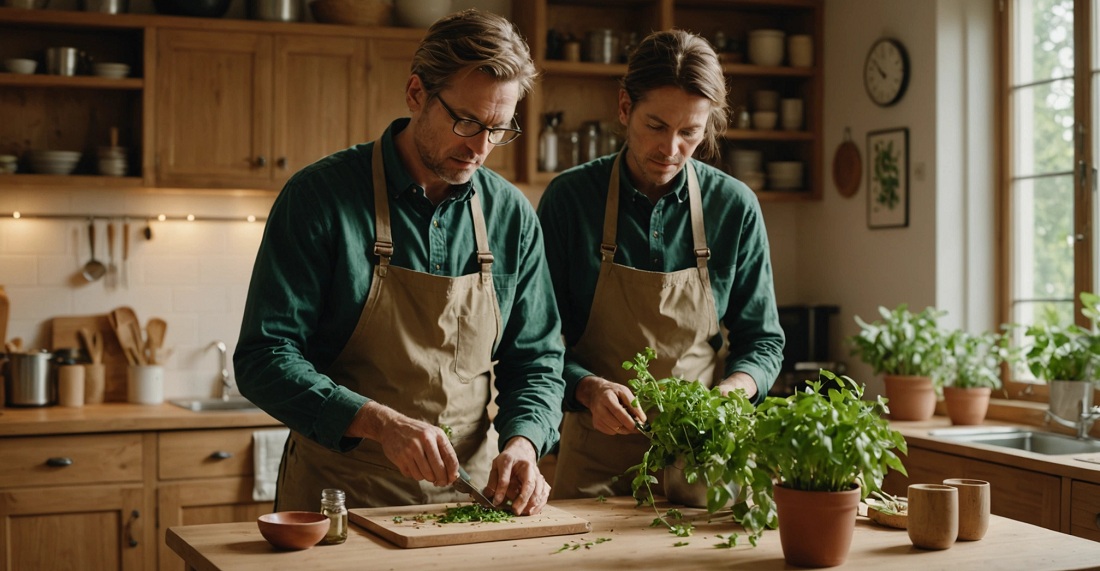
(467, 128)
(502, 136)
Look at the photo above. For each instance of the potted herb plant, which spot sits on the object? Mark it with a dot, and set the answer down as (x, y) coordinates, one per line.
(701, 442)
(1066, 358)
(905, 347)
(971, 370)
(827, 449)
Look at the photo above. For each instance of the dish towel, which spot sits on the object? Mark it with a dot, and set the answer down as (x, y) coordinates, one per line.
(267, 451)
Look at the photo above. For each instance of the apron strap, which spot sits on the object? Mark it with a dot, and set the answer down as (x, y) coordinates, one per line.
(484, 255)
(695, 203)
(383, 242)
(698, 234)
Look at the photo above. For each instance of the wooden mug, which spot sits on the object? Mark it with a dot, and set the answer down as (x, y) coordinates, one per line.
(933, 515)
(973, 507)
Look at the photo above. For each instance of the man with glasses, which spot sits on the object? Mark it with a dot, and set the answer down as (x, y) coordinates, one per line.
(391, 278)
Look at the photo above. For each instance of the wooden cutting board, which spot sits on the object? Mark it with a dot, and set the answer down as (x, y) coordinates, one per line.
(410, 533)
(66, 333)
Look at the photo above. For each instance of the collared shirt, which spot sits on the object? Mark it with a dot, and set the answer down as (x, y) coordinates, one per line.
(657, 237)
(314, 270)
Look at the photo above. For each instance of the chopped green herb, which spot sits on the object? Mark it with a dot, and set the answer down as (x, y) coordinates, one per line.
(728, 542)
(601, 499)
(576, 545)
(398, 519)
(680, 544)
(472, 513)
(681, 530)
(447, 430)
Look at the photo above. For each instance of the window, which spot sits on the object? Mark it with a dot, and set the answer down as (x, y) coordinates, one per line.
(1050, 129)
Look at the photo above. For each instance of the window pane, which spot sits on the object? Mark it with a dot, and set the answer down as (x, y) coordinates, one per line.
(1043, 238)
(1043, 40)
(1044, 128)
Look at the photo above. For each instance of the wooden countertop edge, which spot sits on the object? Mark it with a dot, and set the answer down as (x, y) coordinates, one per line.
(120, 417)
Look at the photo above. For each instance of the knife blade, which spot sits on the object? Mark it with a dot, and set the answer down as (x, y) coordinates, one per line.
(464, 485)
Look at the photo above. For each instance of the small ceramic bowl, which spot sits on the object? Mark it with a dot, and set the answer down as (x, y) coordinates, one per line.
(111, 70)
(20, 65)
(764, 120)
(293, 530)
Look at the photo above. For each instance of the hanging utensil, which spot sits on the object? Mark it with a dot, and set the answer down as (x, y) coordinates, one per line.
(112, 269)
(847, 167)
(94, 269)
(126, 253)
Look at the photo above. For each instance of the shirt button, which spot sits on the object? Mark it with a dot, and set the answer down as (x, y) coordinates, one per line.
(656, 260)
(656, 233)
(437, 266)
(435, 223)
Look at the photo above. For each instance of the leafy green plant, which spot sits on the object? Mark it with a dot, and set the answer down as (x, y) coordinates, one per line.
(973, 360)
(1065, 352)
(902, 342)
(829, 440)
(710, 433)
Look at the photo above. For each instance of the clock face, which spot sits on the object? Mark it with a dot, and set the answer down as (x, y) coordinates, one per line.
(886, 72)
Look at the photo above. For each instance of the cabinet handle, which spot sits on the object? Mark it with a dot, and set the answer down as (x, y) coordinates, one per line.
(221, 455)
(1098, 521)
(261, 161)
(59, 462)
(280, 162)
(134, 515)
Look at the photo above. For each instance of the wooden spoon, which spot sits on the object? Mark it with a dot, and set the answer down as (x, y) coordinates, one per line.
(154, 331)
(93, 344)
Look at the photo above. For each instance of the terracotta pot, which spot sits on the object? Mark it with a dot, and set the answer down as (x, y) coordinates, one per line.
(910, 397)
(815, 528)
(933, 515)
(967, 406)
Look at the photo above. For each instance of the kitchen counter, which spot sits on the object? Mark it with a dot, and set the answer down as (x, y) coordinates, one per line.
(1085, 467)
(121, 417)
(634, 544)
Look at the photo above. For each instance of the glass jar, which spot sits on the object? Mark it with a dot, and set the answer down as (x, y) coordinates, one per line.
(548, 143)
(332, 506)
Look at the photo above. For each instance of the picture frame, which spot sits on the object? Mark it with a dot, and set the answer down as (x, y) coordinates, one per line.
(888, 178)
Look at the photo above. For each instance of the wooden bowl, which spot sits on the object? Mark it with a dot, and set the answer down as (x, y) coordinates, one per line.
(293, 530)
(887, 519)
(353, 12)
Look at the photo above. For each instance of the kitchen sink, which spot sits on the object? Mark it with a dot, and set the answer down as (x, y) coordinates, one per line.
(1020, 439)
(216, 404)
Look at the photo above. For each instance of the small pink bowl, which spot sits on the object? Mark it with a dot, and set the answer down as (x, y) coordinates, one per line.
(293, 530)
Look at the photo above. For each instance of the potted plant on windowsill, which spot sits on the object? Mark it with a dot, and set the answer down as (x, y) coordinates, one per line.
(701, 442)
(1066, 358)
(971, 370)
(828, 449)
(905, 347)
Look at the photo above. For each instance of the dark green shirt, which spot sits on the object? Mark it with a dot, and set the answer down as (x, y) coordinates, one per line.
(657, 238)
(315, 266)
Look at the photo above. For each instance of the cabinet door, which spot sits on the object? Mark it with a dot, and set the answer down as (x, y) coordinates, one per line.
(1085, 510)
(217, 500)
(77, 527)
(389, 62)
(320, 99)
(213, 118)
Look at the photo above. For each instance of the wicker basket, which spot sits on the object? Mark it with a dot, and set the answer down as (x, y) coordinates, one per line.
(353, 12)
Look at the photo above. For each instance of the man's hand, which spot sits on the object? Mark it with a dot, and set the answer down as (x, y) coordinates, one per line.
(515, 476)
(419, 450)
(609, 402)
(738, 380)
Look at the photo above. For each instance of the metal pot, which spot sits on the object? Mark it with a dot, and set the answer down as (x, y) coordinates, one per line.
(30, 379)
(275, 10)
(105, 6)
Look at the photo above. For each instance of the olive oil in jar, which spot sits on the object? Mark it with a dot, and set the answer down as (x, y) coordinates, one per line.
(332, 505)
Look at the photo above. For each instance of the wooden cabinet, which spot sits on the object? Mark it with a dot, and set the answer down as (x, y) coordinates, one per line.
(586, 91)
(75, 502)
(1084, 507)
(247, 110)
(104, 501)
(1023, 495)
(205, 476)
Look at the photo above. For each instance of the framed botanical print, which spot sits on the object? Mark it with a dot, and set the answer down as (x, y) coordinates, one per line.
(888, 178)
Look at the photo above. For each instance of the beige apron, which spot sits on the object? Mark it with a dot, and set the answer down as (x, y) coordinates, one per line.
(633, 309)
(423, 347)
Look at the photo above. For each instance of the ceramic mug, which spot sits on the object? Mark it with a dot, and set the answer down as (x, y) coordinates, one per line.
(145, 384)
(973, 507)
(933, 515)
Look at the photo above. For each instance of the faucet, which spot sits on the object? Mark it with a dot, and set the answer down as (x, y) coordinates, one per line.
(1083, 423)
(227, 383)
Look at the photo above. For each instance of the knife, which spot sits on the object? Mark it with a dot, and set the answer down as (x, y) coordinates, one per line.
(464, 485)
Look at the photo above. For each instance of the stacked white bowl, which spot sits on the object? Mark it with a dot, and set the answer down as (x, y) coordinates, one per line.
(20, 65)
(785, 175)
(111, 70)
(8, 164)
(54, 162)
(766, 47)
(744, 165)
(112, 161)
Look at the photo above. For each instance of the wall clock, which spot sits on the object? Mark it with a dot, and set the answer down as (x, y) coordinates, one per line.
(886, 72)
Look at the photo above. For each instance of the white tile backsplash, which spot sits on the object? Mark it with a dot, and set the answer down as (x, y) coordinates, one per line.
(194, 275)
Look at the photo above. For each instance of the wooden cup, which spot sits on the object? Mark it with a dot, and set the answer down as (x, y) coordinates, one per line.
(973, 507)
(95, 375)
(933, 515)
(70, 385)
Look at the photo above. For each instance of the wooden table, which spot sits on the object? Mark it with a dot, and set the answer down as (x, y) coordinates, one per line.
(634, 546)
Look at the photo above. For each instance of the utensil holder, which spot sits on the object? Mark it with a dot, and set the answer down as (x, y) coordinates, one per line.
(145, 384)
(70, 385)
(95, 380)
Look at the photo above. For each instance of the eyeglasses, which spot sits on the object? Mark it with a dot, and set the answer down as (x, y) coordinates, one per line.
(472, 127)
